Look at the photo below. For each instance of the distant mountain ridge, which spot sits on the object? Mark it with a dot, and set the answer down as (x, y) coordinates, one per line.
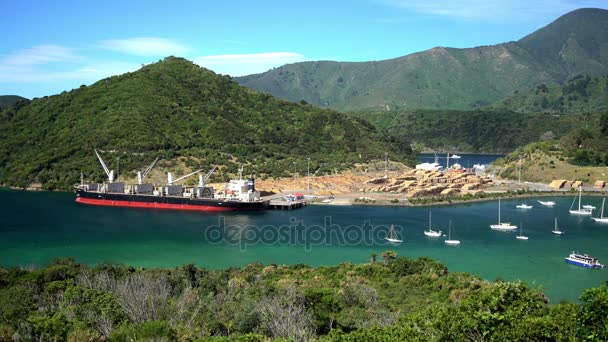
(9, 100)
(448, 78)
(190, 117)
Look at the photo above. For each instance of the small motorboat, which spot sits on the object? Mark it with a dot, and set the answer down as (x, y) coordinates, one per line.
(546, 203)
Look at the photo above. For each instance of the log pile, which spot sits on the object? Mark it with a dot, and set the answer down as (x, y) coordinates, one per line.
(417, 183)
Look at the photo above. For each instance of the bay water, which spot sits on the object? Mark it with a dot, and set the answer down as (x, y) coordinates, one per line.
(36, 227)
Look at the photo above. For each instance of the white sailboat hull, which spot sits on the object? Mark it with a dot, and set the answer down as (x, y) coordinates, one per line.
(557, 232)
(393, 240)
(600, 220)
(520, 237)
(503, 226)
(523, 206)
(580, 212)
(452, 242)
(432, 233)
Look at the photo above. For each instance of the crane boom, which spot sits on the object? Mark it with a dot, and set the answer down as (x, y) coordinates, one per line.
(147, 171)
(171, 181)
(203, 180)
(208, 175)
(105, 168)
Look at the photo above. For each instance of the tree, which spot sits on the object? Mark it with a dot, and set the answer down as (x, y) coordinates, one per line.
(388, 256)
(372, 258)
(604, 124)
(593, 314)
(285, 316)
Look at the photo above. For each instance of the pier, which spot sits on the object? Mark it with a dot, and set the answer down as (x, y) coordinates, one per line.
(279, 204)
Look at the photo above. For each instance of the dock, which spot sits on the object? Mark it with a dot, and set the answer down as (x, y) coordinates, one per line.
(279, 204)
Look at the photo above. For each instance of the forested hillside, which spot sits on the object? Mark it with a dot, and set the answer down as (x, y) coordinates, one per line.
(581, 94)
(491, 131)
(175, 109)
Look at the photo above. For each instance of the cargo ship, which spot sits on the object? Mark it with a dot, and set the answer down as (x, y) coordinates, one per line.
(238, 194)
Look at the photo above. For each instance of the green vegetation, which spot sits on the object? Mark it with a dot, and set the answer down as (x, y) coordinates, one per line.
(175, 109)
(475, 131)
(448, 78)
(580, 147)
(581, 94)
(391, 299)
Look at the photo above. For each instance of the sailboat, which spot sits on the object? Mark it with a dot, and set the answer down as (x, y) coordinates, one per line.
(449, 241)
(556, 230)
(521, 235)
(502, 225)
(601, 219)
(579, 211)
(430, 232)
(392, 236)
(546, 203)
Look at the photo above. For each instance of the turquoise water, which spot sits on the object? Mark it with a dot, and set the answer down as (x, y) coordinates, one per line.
(37, 227)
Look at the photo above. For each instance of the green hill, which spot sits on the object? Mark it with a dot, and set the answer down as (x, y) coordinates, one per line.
(189, 116)
(448, 78)
(488, 131)
(9, 100)
(581, 94)
(580, 154)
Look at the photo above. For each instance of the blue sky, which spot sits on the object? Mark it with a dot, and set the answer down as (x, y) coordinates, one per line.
(51, 46)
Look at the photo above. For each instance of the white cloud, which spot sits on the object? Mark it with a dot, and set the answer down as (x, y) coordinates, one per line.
(246, 64)
(78, 74)
(145, 46)
(499, 10)
(41, 54)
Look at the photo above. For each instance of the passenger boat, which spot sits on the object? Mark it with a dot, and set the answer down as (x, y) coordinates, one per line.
(583, 260)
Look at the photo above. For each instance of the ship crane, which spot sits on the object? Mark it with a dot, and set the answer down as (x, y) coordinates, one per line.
(110, 173)
(141, 176)
(203, 180)
(170, 179)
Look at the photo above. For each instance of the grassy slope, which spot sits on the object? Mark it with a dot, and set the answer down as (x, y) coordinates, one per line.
(175, 108)
(546, 161)
(449, 78)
